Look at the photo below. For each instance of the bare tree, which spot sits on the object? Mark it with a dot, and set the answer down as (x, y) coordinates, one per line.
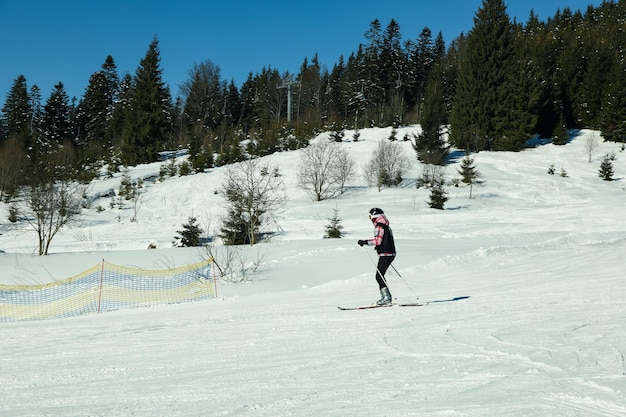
(324, 169)
(591, 146)
(253, 193)
(48, 206)
(234, 264)
(387, 166)
(344, 170)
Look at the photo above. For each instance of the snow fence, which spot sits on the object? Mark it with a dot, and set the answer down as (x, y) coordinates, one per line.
(107, 287)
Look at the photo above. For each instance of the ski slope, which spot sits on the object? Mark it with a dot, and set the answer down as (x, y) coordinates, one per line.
(528, 274)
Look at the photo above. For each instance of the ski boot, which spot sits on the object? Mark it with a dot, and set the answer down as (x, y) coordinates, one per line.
(385, 297)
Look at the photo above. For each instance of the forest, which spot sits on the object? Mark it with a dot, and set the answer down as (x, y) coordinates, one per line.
(493, 88)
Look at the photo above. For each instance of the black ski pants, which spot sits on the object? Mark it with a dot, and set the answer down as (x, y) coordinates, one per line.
(384, 262)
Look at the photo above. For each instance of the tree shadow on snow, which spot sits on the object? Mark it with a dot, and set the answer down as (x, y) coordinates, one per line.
(536, 142)
(454, 156)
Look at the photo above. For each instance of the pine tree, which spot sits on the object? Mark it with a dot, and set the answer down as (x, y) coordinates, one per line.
(368, 82)
(478, 118)
(147, 124)
(57, 127)
(16, 138)
(95, 110)
(468, 172)
(309, 98)
(16, 114)
(613, 115)
(519, 96)
(92, 111)
(333, 229)
(606, 168)
(422, 56)
(593, 88)
(571, 60)
(232, 104)
(126, 190)
(121, 106)
(438, 194)
(392, 71)
(189, 236)
(559, 135)
(430, 145)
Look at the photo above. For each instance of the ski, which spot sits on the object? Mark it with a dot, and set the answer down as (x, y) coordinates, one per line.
(377, 306)
(364, 307)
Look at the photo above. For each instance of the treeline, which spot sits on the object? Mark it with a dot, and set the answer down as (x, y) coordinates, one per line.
(492, 88)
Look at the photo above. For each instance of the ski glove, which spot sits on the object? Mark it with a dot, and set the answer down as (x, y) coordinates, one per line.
(362, 242)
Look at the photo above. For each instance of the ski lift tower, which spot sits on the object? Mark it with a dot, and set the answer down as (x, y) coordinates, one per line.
(288, 83)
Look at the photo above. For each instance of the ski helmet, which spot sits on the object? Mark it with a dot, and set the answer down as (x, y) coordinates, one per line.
(376, 212)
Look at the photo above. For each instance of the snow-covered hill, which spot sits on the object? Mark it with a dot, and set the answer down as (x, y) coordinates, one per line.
(529, 272)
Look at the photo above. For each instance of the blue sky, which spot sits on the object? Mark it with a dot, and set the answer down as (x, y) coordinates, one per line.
(68, 40)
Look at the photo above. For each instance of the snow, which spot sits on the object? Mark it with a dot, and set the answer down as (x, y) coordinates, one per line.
(529, 273)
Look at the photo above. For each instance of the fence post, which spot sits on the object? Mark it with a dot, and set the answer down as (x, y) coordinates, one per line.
(214, 275)
(101, 279)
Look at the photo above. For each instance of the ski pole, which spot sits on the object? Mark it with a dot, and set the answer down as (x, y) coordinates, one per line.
(376, 266)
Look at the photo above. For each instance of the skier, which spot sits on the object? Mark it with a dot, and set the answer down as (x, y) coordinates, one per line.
(386, 249)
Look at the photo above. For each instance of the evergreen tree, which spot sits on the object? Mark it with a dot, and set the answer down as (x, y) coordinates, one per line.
(232, 104)
(594, 87)
(537, 45)
(421, 58)
(52, 152)
(438, 194)
(16, 114)
(613, 115)
(571, 60)
(189, 236)
(560, 135)
(355, 97)
(308, 102)
(248, 99)
(392, 72)
(430, 144)
(95, 110)
(479, 116)
(121, 106)
(92, 111)
(450, 70)
(15, 138)
(236, 230)
(333, 102)
(109, 68)
(333, 229)
(519, 97)
(606, 168)
(468, 172)
(148, 121)
(57, 127)
(368, 81)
